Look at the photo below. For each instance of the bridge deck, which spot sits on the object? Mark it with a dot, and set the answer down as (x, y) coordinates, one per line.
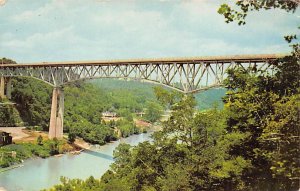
(215, 59)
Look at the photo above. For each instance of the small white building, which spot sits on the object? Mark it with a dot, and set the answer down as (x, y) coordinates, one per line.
(109, 114)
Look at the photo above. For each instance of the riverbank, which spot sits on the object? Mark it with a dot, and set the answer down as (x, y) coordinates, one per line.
(10, 168)
(15, 154)
(94, 162)
(26, 145)
(80, 143)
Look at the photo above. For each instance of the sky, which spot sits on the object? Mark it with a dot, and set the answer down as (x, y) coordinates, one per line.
(74, 30)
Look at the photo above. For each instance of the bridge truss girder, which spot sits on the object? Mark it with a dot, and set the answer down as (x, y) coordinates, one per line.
(187, 77)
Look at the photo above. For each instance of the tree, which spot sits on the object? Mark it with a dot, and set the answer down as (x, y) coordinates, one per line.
(54, 146)
(39, 140)
(153, 112)
(265, 108)
(190, 153)
(165, 97)
(71, 136)
(246, 6)
(7, 61)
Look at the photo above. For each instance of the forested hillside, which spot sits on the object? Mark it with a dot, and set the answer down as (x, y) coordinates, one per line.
(208, 99)
(85, 101)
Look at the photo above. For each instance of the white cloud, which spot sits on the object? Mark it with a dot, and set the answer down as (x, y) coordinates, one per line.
(31, 14)
(37, 39)
(93, 29)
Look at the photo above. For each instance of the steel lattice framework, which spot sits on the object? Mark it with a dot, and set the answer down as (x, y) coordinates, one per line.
(183, 74)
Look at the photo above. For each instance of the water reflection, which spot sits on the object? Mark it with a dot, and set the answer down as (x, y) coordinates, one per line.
(37, 174)
(101, 155)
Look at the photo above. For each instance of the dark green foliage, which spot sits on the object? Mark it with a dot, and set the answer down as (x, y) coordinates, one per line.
(9, 116)
(83, 110)
(71, 135)
(153, 112)
(126, 127)
(266, 109)
(167, 97)
(125, 113)
(210, 98)
(247, 6)
(39, 140)
(28, 150)
(91, 184)
(7, 61)
(85, 102)
(130, 95)
(33, 100)
(54, 146)
(190, 153)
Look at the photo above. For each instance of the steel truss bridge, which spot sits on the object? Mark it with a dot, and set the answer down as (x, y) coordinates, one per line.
(187, 75)
(183, 74)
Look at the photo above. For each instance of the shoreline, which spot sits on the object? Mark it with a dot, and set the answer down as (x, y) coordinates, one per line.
(10, 168)
(78, 147)
(105, 155)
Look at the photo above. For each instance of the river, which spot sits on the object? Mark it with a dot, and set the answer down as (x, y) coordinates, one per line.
(37, 174)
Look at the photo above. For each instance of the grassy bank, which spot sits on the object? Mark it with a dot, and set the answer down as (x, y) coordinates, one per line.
(15, 153)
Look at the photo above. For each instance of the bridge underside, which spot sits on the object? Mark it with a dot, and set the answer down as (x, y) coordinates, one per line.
(185, 75)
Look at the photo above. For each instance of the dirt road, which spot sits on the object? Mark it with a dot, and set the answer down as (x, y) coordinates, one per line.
(21, 134)
(16, 132)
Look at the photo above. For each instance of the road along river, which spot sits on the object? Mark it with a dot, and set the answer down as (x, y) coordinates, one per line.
(37, 174)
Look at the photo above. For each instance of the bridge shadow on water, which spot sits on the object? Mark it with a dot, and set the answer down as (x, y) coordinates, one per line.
(100, 155)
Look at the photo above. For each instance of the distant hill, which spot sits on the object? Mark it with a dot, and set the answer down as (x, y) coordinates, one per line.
(33, 99)
(205, 99)
(209, 98)
(138, 88)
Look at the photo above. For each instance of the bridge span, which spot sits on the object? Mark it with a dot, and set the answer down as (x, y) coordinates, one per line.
(187, 75)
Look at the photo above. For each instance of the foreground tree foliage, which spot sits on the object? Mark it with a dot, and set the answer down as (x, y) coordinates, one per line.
(190, 153)
(266, 109)
(245, 6)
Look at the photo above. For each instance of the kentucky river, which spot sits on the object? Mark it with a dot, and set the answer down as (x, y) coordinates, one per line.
(37, 174)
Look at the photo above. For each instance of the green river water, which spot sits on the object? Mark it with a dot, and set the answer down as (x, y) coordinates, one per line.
(37, 174)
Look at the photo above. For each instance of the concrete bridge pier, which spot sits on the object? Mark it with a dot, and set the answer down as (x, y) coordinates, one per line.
(8, 88)
(5, 90)
(2, 87)
(57, 114)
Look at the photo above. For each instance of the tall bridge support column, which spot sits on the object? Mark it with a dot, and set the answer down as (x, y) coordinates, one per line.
(8, 88)
(57, 114)
(2, 87)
